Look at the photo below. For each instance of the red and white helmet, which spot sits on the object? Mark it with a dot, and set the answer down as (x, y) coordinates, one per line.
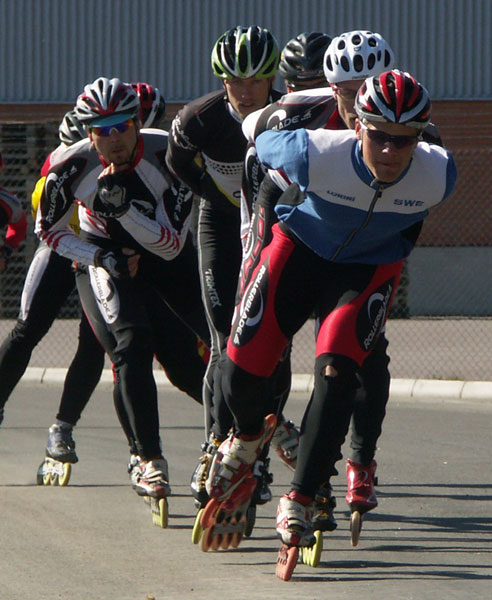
(394, 97)
(152, 103)
(105, 97)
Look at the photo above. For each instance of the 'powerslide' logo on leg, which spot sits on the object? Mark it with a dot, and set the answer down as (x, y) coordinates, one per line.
(250, 311)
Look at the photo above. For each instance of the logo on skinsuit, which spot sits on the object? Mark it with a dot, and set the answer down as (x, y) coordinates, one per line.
(251, 309)
(372, 315)
(108, 300)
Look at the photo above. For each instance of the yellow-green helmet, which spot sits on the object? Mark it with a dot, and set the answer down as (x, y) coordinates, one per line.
(245, 52)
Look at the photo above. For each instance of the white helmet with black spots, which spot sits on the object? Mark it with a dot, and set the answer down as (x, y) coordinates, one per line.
(357, 55)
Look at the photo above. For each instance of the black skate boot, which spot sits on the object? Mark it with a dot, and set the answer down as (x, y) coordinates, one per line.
(324, 504)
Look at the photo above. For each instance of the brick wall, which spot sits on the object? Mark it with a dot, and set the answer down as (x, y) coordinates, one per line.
(466, 128)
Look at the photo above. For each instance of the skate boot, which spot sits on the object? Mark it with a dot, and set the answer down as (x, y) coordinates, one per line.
(295, 529)
(361, 495)
(134, 469)
(324, 504)
(231, 484)
(285, 441)
(60, 456)
(152, 482)
(199, 477)
(198, 481)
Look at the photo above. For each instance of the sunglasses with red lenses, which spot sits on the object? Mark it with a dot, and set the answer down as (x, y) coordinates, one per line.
(106, 130)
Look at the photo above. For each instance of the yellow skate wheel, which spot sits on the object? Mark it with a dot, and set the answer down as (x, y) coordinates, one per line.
(54, 478)
(46, 475)
(197, 532)
(355, 527)
(160, 512)
(315, 554)
(65, 477)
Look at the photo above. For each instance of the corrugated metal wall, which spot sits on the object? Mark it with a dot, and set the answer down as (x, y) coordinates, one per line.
(50, 48)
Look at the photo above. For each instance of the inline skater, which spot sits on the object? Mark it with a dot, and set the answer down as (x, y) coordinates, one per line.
(14, 219)
(332, 108)
(183, 361)
(339, 229)
(301, 66)
(134, 241)
(206, 151)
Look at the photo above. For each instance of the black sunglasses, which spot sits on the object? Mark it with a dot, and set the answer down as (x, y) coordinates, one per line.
(399, 141)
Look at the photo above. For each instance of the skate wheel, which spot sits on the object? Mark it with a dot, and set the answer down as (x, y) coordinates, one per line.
(64, 478)
(207, 518)
(236, 539)
(250, 520)
(286, 561)
(311, 555)
(197, 532)
(46, 478)
(215, 541)
(355, 527)
(54, 478)
(160, 512)
(226, 541)
(40, 474)
(206, 539)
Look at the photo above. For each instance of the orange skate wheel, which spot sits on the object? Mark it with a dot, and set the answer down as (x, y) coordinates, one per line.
(286, 561)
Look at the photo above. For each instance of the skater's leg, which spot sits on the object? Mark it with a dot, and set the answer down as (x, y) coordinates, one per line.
(48, 283)
(370, 404)
(82, 376)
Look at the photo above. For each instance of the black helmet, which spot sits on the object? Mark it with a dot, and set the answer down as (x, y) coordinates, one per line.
(301, 61)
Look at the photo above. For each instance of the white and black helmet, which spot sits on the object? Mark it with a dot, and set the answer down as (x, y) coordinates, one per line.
(106, 97)
(71, 129)
(357, 55)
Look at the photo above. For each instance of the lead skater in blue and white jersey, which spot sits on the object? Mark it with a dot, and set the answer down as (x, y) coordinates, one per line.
(347, 219)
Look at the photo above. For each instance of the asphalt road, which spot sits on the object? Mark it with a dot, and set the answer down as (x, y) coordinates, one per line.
(429, 538)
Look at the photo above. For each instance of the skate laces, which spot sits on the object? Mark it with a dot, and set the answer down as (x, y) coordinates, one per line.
(237, 453)
(293, 515)
(155, 470)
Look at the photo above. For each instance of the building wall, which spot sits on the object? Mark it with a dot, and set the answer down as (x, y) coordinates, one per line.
(51, 48)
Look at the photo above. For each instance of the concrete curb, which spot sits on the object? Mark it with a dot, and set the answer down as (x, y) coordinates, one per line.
(303, 382)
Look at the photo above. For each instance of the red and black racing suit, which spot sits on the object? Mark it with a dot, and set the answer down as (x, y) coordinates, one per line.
(315, 109)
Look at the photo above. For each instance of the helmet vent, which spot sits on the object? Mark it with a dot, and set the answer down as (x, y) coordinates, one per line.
(359, 63)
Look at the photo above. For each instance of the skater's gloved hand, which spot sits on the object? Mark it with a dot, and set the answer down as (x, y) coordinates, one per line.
(112, 199)
(119, 264)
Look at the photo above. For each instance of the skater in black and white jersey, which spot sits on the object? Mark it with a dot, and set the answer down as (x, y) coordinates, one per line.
(206, 151)
(134, 241)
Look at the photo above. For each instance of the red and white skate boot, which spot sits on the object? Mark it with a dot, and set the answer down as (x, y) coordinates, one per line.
(153, 478)
(234, 460)
(360, 485)
(295, 528)
(361, 495)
